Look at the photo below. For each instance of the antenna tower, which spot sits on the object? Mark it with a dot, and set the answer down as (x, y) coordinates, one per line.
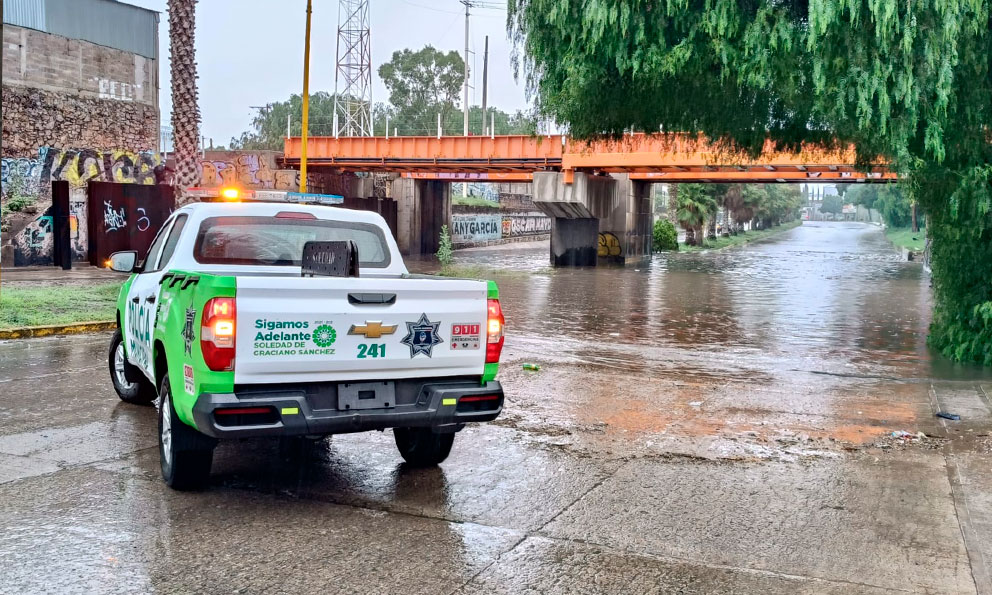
(353, 73)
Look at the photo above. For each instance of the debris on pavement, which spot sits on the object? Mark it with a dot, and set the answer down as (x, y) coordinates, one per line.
(950, 416)
(532, 367)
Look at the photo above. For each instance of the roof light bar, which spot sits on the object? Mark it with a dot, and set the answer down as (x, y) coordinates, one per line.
(283, 196)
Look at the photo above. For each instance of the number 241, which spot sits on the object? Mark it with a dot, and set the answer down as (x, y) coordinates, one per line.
(373, 350)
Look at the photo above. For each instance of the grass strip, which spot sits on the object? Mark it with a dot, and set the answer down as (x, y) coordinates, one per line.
(741, 238)
(57, 305)
(904, 237)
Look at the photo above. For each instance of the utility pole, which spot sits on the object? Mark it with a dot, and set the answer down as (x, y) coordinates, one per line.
(468, 4)
(485, 73)
(306, 103)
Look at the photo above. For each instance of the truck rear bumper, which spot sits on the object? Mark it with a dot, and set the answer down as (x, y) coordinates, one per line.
(254, 411)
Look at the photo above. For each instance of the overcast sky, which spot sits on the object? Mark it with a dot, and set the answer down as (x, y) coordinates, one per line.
(250, 52)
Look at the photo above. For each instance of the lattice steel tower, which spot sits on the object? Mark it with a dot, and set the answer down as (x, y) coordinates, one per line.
(353, 74)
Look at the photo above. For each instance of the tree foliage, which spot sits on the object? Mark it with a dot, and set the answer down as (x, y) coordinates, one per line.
(888, 199)
(423, 84)
(664, 237)
(907, 82)
(268, 127)
(832, 204)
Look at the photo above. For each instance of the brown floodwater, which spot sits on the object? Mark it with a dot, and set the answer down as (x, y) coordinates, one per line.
(818, 331)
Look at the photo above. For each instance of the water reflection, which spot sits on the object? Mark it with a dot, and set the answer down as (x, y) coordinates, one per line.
(828, 297)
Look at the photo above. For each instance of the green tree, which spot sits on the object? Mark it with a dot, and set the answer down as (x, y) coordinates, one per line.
(665, 237)
(421, 85)
(906, 82)
(268, 127)
(696, 203)
(888, 199)
(832, 204)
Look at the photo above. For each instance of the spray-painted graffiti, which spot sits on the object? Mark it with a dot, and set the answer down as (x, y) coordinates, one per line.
(113, 220)
(35, 236)
(470, 229)
(116, 90)
(525, 225)
(609, 245)
(32, 178)
(483, 190)
(79, 166)
(249, 170)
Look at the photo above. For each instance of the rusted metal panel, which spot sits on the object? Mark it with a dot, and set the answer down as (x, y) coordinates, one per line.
(665, 157)
(125, 217)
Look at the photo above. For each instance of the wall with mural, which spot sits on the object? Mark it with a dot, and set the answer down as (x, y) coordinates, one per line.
(25, 195)
(469, 229)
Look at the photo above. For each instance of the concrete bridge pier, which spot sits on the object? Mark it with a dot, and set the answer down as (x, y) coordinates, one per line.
(596, 219)
(422, 207)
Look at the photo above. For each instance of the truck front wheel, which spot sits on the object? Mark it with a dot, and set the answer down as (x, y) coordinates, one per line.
(186, 454)
(421, 447)
(129, 383)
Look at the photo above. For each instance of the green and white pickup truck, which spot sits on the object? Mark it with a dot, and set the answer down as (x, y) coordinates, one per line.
(219, 326)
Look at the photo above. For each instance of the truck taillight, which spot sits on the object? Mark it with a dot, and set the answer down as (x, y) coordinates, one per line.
(218, 333)
(494, 332)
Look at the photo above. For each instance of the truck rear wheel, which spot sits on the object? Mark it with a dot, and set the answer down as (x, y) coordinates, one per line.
(421, 447)
(129, 383)
(186, 455)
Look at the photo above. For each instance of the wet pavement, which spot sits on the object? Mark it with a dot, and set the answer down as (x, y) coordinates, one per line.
(709, 422)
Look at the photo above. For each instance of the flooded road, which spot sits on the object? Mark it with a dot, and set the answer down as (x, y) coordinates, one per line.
(709, 422)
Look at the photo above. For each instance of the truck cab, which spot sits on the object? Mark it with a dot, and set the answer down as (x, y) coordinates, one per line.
(226, 326)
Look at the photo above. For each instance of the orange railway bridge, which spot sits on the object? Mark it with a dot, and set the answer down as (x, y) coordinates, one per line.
(589, 188)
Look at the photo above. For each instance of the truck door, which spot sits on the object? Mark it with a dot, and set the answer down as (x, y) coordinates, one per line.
(142, 306)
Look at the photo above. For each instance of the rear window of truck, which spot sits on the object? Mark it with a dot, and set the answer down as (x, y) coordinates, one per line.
(270, 241)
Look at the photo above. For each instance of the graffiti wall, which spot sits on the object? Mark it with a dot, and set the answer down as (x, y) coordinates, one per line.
(525, 225)
(256, 169)
(474, 228)
(26, 194)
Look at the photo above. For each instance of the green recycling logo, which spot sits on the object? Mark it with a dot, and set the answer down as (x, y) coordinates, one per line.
(325, 336)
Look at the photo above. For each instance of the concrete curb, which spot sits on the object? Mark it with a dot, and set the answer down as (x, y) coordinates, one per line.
(60, 329)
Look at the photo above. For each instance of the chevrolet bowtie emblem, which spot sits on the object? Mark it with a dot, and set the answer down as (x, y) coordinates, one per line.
(372, 329)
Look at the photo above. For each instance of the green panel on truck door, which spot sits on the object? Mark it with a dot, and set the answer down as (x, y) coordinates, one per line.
(122, 308)
(181, 303)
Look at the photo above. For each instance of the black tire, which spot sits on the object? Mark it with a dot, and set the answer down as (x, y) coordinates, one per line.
(420, 447)
(129, 383)
(185, 454)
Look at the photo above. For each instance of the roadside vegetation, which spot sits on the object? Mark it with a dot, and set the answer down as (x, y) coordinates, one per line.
(474, 201)
(880, 77)
(743, 237)
(422, 84)
(55, 305)
(904, 237)
(719, 215)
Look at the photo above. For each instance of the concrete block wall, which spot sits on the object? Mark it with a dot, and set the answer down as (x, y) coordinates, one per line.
(54, 63)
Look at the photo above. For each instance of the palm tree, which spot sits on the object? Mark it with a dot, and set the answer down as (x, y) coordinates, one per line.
(185, 110)
(696, 202)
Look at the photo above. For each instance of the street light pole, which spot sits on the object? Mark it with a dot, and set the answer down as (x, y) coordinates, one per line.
(467, 4)
(306, 103)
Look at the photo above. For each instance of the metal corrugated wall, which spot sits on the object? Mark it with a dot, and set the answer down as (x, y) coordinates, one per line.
(104, 22)
(25, 13)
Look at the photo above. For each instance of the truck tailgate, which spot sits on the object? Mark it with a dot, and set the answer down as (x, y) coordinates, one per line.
(296, 329)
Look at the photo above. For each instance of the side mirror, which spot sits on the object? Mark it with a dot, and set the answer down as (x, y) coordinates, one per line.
(123, 262)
